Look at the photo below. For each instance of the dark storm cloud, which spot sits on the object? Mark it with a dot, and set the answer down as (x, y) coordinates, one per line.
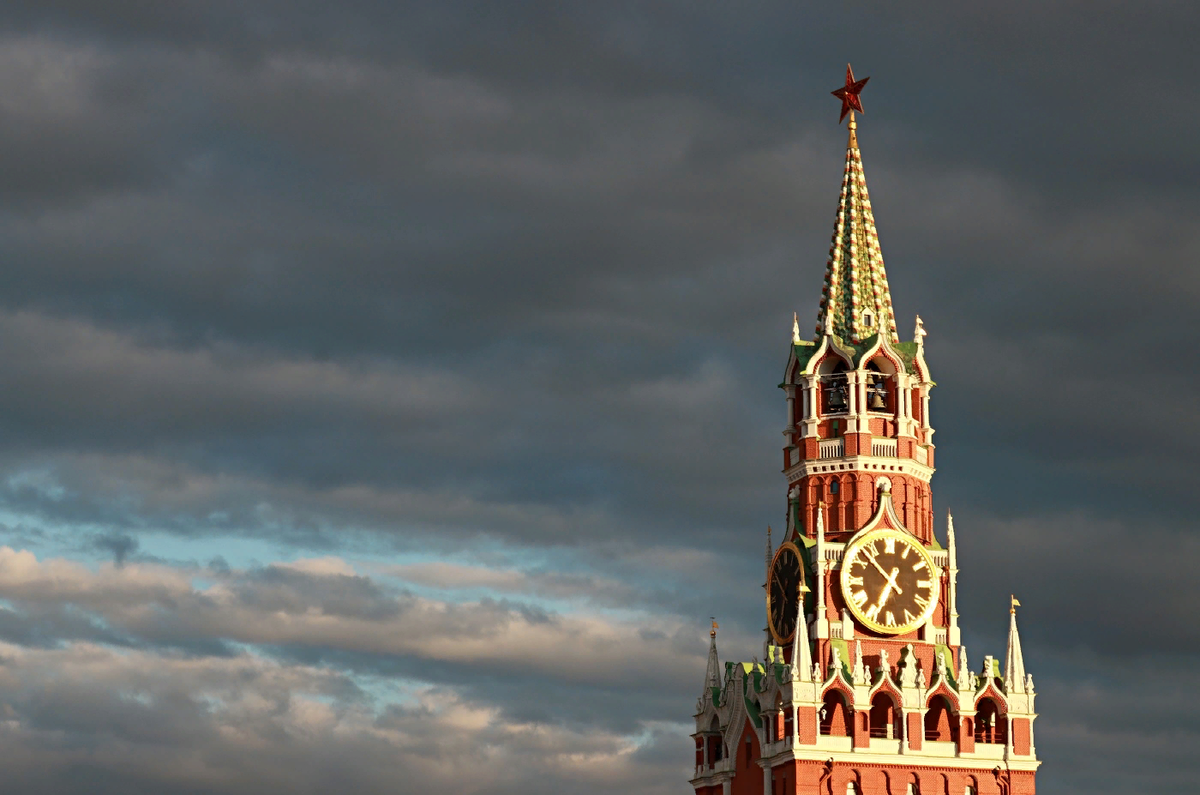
(511, 285)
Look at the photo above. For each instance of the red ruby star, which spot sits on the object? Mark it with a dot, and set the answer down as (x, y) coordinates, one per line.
(848, 94)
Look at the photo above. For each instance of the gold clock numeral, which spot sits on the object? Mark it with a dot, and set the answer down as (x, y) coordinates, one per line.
(923, 584)
(920, 564)
(891, 619)
(856, 580)
(889, 546)
(909, 617)
(921, 601)
(873, 611)
(904, 552)
(859, 598)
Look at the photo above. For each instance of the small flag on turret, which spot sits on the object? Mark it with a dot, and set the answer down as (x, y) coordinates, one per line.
(1015, 603)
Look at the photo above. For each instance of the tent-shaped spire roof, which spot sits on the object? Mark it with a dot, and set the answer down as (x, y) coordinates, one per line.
(802, 660)
(1014, 662)
(712, 676)
(855, 303)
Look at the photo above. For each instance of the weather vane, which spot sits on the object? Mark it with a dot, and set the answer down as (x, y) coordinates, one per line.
(848, 94)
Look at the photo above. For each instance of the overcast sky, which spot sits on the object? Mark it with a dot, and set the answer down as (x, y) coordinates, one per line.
(389, 389)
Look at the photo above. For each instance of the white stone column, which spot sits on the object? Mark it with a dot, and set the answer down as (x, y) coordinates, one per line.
(811, 385)
(851, 402)
(864, 424)
(820, 627)
(767, 782)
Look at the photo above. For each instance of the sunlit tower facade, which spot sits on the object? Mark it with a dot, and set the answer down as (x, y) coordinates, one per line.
(864, 686)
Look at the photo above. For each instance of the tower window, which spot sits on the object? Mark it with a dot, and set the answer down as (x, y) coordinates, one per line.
(835, 391)
(833, 487)
(878, 398)
(868, 320)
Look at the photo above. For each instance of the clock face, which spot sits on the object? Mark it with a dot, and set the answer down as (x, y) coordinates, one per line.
(889, 581)
(783, 590)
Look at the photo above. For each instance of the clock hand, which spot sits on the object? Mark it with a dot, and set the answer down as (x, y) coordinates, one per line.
(891, 577)
(892, 581)
(887, 589)
(871, 558)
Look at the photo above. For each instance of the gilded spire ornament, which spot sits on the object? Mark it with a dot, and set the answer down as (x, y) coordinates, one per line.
(856, 303)
(848, 94)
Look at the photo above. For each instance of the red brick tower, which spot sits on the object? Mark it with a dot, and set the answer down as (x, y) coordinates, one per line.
(864, 687)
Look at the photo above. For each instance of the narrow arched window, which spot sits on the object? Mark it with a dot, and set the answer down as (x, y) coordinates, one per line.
(879, 393)
(990, 724)
(885, 718)
(941, 724)
(835, 715)
(835, 394)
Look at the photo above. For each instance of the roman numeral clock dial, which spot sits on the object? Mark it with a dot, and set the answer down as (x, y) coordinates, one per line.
(889, 581)
(783, 589)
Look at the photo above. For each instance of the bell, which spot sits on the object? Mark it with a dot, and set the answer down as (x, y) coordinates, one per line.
(877, 403)
(837, 398)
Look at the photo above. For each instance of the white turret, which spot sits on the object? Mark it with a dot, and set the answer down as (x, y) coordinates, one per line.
(1014, 662)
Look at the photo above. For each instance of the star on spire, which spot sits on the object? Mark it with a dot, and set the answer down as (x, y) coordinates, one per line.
(848, 94)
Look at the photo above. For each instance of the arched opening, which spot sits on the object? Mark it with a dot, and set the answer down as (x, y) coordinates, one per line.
(941, 724)
(885, 718)
(880, 392)
(715, 746)
(990, 723)
(835, 392)
(835, 715)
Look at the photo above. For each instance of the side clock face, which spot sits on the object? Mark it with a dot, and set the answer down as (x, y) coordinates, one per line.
(787, 574)
(889, 581)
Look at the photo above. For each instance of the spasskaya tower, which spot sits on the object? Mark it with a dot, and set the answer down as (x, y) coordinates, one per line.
(864, 687)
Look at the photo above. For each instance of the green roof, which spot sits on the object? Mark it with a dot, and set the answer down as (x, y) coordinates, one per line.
(950, 675)
(907, 351)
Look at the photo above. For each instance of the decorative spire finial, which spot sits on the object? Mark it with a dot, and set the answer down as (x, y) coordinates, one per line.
(848, 94)
(1014, 661)
(712, 673)
(795, 328)
(802, 662)
(856, 304)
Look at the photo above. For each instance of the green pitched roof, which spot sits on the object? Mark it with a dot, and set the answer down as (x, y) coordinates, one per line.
(907, 351)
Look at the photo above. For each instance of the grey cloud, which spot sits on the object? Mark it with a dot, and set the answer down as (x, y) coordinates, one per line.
(473, 279)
